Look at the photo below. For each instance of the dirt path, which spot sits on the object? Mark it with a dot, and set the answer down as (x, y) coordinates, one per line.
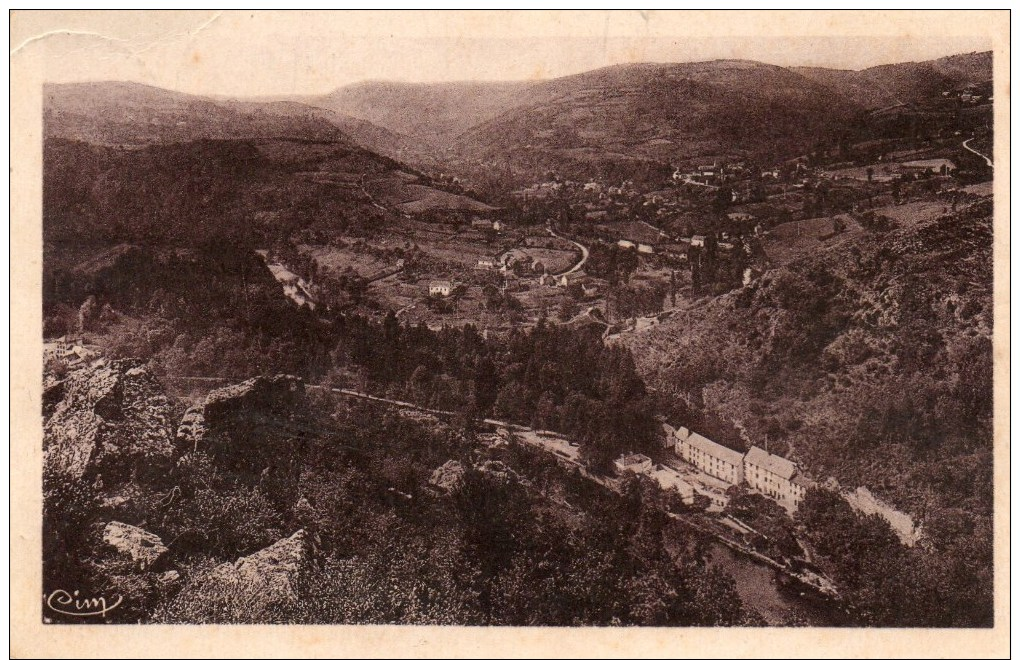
(584, 253)
(975, 151)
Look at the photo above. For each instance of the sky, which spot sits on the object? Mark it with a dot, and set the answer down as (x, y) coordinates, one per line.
(268, 53)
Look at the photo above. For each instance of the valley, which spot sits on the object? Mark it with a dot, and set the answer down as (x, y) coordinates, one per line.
(444, 317)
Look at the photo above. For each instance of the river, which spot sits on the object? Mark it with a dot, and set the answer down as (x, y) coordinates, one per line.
(760, 592)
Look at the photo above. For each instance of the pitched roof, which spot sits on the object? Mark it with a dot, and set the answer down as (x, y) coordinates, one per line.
(713, 449)
(439, 283)
(775, 464)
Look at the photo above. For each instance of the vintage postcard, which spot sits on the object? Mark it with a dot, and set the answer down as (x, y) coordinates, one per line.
(537, 333)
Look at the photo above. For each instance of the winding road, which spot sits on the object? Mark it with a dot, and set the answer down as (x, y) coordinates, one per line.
(975, 151)
(584, 253)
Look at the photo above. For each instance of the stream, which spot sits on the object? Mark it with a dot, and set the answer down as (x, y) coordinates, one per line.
(760, 592)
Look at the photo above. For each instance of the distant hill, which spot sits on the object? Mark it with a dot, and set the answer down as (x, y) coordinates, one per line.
(125, 113)
(433, 113)
(909, 82)
(665, 113)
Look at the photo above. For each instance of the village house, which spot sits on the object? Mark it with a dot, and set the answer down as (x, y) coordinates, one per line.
(440, 288)
(744, 218)
(486, 263)
(697, 240)
(668, 436)
(711, 458)
(485, 223)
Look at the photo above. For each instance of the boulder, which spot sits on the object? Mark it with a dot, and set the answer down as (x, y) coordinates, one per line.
(111, 421)
(500, 471)
(144, 548)
(251, 426)
(448, 477)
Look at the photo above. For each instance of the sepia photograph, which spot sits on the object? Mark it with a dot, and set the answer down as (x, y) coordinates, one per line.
(453, 319)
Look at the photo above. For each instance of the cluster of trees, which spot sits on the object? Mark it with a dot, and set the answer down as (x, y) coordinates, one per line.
(946, 584)
(631, 300)
(715, 270)
(554, 377)
(611, 262)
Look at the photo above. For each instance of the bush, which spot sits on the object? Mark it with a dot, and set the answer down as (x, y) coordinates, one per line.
(225, 524)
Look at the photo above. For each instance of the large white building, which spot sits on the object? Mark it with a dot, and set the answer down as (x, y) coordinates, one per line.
(770, 475)
(709, 457)
(773, 476)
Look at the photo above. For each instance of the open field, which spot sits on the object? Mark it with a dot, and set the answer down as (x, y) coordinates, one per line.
(338, 259)
(398, 192)
(637, 232)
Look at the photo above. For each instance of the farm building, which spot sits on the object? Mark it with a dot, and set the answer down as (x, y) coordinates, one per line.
(633, 463)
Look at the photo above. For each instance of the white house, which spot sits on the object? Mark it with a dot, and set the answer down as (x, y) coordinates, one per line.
(440, 288)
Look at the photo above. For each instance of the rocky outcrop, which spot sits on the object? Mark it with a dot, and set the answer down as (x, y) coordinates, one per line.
(252, 588)
(257, 402)
(865, 502)
(448, 477)
(144, 548)
(280, 394)
(109, 420)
